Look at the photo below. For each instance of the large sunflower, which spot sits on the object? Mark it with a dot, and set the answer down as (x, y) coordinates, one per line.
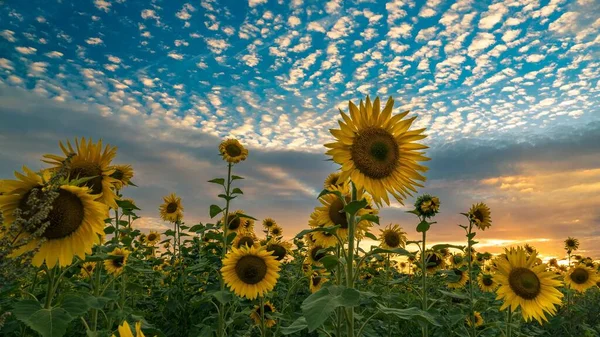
(486, 283)
(250, 272)
(279, 248)
(233, 151)
(480, 215)
(393, 237)
(268, 308)
(90, 161)
(463, 277)
(571, 244)
(378, 152)
(117, 261)
(123, 175)
(581, 277)
(332, 213)
(125, 330)
(531, 287)
(171, 210)
(75, 220)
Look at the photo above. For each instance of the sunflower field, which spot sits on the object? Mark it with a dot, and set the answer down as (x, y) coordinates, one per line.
(73, 261)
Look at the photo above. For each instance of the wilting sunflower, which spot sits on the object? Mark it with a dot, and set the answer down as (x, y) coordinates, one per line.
(245, 238)
(392, 237)
(280, 249)
(581, 277)
(478, 319)
(378, 152)
(122, 174)
(152, 238)
(331, 181)
(75, 220)
(268, 308)
(434, 261)
(457, 260)
(90, 161)
(553, 262)
(331, 213)
(233, 151)
(117, 261)
(480, 215)
(463, 277)
(486, 282)
(315, 254)
(125, 330)
(531, 287)
(250, 272)
(269, 223)
(317, 279)
(276, 231)
(87, 269)
(427, 206)
(571, 244)
(235, 221)
(171, 210)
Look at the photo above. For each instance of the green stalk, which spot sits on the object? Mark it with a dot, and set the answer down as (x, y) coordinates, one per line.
(50, 290)
(263, 331)
(338, 281)
(424, 328)
(350, 266)
(470, 260)
(387, 288)
(509, 322)
(221, 327)
(97, 272)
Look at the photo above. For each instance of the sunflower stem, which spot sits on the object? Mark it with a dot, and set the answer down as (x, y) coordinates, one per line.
(387, 288)
(350, 265)
(221, 327)
(338, 281)
(470, 261)
(97, 272)
(49, 291)
(509, 323)
(262, 317)
(424, 328)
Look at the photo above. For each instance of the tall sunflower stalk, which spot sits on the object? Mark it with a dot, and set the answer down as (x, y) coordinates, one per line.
(221, 326)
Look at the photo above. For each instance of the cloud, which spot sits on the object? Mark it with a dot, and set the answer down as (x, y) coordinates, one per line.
(534, 58)
(102, 5)
(254, 3)
(175, 56)
(94, 41)
(26, 50)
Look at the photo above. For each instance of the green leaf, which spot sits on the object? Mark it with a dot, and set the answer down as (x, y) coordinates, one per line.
(109, 230)
(51, 322)
(241, 215)
(317, 307)
(75, 305)
(325, 192)
(197, 228)
(225, 197)
(398, 250)
(423, 226)
(445, 246)
(330, 261)
(371, 236)
(414, 211)
(298, 325)
(472, 235)
(330, 230)
(369, 217)
(223, 296)
(454, 295)
(355, 206)
(234, 177)
(237, 191)
(126, 204)
(214, 210)
(409, 314)
(219, 181)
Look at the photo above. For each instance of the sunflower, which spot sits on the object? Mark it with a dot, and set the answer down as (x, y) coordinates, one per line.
(553, 262)
(331, 213)
(87, 269)
(331, 181)
(125, 330)
(317, 279)
(427, 206)
(249, 225)
(171, 210)
(324, 239)
(529, 249)
(480, 215)
(122, 174)
(457, 260)
(581, 278)
(478, 319)
(245, 238)
(268, 308)
(368, 277)
(315, 253)
(278, 248)
(530, 287)
(571, 244)
(463, 277)
(250, 272)
(392, 237)
(276, 231)
(434, 261)
(89, 161)
(233, 151)
(74, 222)
(378, 152)
(152, 238)
(306, 267)
(235, 221)
(269, 223)
(115, 265)
(486, 283)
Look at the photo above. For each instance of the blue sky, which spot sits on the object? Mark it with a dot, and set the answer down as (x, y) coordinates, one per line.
(508, 91)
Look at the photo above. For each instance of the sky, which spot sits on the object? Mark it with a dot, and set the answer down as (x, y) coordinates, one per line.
(509, 92)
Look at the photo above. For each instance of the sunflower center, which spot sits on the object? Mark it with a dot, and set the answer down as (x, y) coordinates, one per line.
(487, 281)
(433, 261)
(233, 150)
(316, 280)
(151, 237)
(245, 241)
(89, 268)
(276, 231)
(337, 214)
(580, 276)
(315, 255)
(66, 216)
(277, 250)
(478, 215)
(392, 239)
(570, 243)
(458, 272)
(172, 207)
(268, 224)
(251, 269)
(119, 261)
(525, 283)
(375, 152)
(85, 170)
(118, 174)
(235, 223)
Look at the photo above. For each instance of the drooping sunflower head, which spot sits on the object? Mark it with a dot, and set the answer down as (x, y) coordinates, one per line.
(269, 223)
(392, 237)
(235, 221)
(378, 152)
(152, 238)
(480, 215)
(250, 272)
(171, 210)
(317, 279)
(268, 309)
(324, 239)
(523, 284)
(477, 317)
(486, 282)
(461, 279)
(74, 219)
(117, 261)
(331, 182)
(434, 261)
(245, 238)
(89, 161)
(571, 244)
(279, 248)
(316, 253)
(233, 151)
(249, 225)
(122, 174)
(581, 277)
(458, 260)
(87, 269)
(427, 206)
(276, 231)
(332, 213)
